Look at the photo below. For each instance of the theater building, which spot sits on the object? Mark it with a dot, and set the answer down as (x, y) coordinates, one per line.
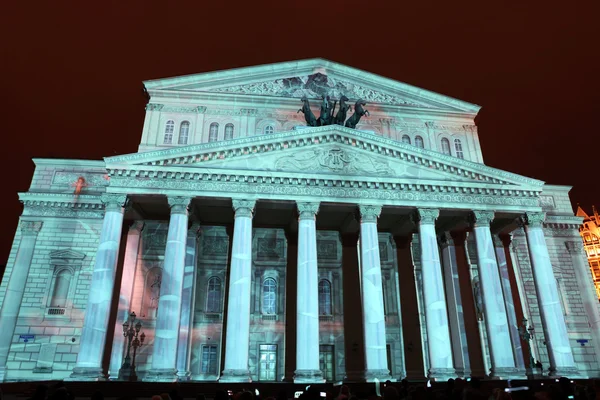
(258, 236)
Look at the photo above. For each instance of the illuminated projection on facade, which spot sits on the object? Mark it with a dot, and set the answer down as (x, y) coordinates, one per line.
(302, 221)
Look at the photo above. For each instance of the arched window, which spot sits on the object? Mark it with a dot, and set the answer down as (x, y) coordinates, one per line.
(213, 295)
(60, 294)
(213, 132)
(446, 146)
(184, 132)
(269, 129)
(405, 139)
(169, 129)
(228, 131)
(324, 297)
(458, 148)
(269, 296)
(419, 142)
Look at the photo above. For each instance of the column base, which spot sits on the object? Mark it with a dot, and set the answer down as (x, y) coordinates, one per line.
(567, 372)
(462, 372)
(161, 375)
(354, 376)
(378, 375)
(125, 374)
(235, 375)
(86, 374)
(441, 374)
(184, 376)
(308, 376)
(507, 373)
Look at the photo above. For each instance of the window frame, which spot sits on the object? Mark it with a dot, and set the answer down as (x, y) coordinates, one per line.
(445, 141)
(458, 149)
(266, 127)
(406, 139)
(187, 133)
(263, 293)
(208, 371)
(219, 300)
(169, 123)
(229, 125)
(420, 139)
(322, 295)
(212, 138)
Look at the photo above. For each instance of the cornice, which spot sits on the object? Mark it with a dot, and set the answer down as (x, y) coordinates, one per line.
(205, 152)
(62, 205)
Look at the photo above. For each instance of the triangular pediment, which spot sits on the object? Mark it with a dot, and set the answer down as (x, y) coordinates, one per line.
(67, 254)
(313, 79)
(331, 152)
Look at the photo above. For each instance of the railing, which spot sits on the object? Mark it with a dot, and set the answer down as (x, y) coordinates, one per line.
(212, 317)
(56, 311)
(325, 318)
(269, 317)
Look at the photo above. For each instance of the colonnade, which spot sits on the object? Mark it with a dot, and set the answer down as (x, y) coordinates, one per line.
(168, 349)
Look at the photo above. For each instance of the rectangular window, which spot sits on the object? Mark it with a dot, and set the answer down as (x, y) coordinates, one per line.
(209, 360)
(326, 362)
(267, 366)
(388, 350)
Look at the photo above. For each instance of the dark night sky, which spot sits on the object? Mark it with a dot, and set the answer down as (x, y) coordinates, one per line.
(72, 73)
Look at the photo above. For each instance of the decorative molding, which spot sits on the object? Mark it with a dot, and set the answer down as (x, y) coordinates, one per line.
(547, 202)
(31, 228)
(369, 213)
(179, 205)
(114, 202)
(270, 249)
(49, 211)
(67, 254)
(243, 208)
(307, 210)
(393, 149)
(482, 218)
(92, 179)
(575, 247)
(154, 107)
(535, 219)
(214, 245)
(327, 249)
(427, 215)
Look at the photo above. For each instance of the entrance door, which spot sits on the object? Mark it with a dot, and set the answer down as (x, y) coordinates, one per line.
(326, 362)
(267, 366)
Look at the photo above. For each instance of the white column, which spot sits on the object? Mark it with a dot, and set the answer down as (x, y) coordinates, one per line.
(513, 324)
(585, 281)
(460, 348)
(307, 304)
(557, 338)
(127, 279)
(14, 291)
(436, 315)
(501, 354)
(238, 308)
(186, 324)
(95, 323)
(376, 366)
(166, 333)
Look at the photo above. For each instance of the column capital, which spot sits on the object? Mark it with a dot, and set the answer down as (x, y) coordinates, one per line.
(482, 217)
(369, 213)
(307, 210)
(137, 226)
(534, 219)
(575, 247)
(244, 208)
(114, 202)
(179, 205)
(427, 215)
(31, 228)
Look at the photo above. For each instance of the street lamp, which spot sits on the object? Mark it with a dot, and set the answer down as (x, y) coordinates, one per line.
(135, 340)
(526, 333)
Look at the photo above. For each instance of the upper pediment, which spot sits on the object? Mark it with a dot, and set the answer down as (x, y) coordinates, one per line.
(330, 152)
(313, 79)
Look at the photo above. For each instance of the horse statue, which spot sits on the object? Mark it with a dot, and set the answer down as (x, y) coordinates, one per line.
(310, 118)
(359, 111)
(326, 112)
(341, 115)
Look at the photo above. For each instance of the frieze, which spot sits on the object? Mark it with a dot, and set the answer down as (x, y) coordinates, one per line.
(184, 109)
(41, 211)
(315, 86)
(291, 192)
(269, 249)
(214, 245)
(327, 249)
(374, 143)
(154, 107)
(91, 178)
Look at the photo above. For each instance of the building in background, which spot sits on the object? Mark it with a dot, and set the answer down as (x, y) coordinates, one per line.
(590, 232)
(261, 233)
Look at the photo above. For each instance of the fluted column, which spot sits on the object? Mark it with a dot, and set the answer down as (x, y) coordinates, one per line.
(186, 323)
(436, 315)
(238, 312)
(585, 281)
(15, 289)
(376, 366)
(95, 324)
(555, 327)
(166, 333)
(126, 291)
(513, 323)
(460, 348)
(503, 361)
(307, 303)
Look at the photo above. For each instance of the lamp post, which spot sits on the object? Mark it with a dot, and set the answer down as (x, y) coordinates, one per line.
(526, 333)
(131, 332)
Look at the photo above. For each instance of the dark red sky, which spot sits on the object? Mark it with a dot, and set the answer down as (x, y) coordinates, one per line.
(72, 73)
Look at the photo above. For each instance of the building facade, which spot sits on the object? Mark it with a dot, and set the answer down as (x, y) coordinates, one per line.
(590, 232)
(252, 245)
